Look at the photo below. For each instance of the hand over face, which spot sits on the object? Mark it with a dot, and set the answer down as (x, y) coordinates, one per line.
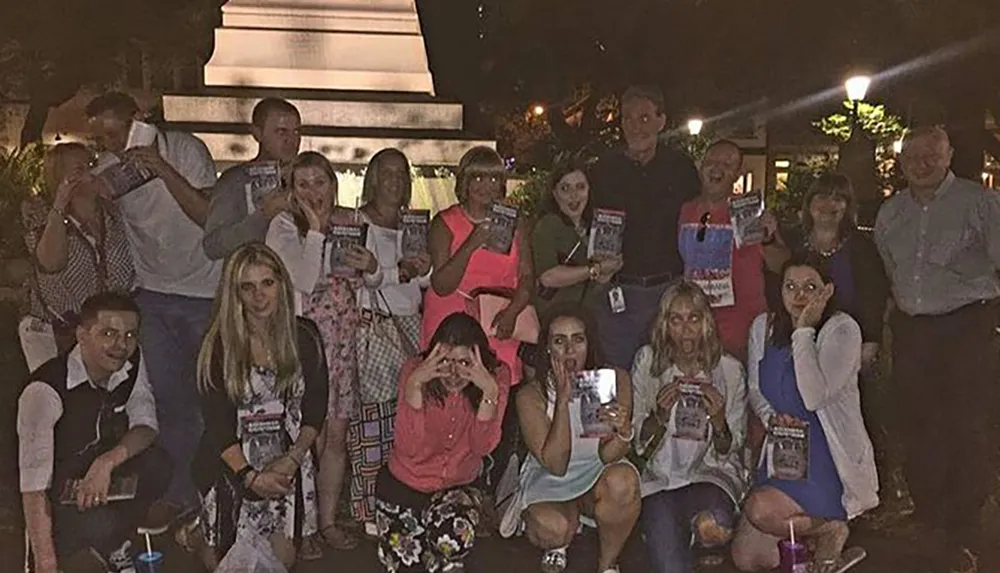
(477, 374)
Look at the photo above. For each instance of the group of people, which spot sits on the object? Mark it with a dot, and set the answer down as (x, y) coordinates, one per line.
(193, 337)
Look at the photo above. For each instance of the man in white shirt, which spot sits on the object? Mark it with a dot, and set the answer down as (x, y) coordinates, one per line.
(88, 419)
(164, 220)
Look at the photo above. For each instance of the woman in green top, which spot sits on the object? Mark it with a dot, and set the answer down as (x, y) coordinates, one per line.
(559, 241)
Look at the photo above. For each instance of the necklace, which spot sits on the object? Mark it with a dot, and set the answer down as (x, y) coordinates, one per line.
(825, 253)
(474, 220)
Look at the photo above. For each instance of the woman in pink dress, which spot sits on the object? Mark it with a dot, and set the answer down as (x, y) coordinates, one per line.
(462, 264)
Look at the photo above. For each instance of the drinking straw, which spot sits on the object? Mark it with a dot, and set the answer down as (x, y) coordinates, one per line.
(149, 547)
(791, 532)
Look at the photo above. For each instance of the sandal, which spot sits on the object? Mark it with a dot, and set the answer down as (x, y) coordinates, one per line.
(311, 549)
(849, 558)
(554, 560)
(339, 540)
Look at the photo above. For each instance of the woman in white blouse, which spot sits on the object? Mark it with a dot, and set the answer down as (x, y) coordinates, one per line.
(690, 417)
(818, 469)
(390, 324)
(329, 299)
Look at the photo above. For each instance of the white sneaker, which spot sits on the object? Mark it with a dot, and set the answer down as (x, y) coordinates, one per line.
(612, 569)
(554, 560)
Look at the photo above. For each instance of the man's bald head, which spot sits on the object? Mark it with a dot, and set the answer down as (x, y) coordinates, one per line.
(926, 157)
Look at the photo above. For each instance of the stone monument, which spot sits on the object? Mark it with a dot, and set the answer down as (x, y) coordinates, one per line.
(356, 70)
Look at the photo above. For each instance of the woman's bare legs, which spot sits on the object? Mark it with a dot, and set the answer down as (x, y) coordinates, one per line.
(332, 445)
(615, 504)
(766, 518)
(551, 525)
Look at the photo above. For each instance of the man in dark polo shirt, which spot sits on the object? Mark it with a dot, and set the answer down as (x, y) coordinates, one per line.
(650, 182)
(86, 423)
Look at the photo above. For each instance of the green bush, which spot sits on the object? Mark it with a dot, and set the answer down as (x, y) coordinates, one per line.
(21, 176)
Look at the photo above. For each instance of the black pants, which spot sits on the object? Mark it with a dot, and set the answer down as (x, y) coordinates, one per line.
(107, 527)
(945, 374)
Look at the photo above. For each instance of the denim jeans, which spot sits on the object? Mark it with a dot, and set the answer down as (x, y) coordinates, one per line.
(624, 333)
(170, 333)
(667, 518)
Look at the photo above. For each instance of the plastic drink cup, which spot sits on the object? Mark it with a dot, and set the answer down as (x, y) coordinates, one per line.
(149, 562)
(794, 557)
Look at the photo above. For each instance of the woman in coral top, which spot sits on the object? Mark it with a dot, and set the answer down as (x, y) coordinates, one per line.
(451, 405)
(462, 265)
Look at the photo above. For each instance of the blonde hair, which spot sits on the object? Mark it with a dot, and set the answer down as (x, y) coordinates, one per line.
(229, 335)
(664, 350)
(479, 160)
(54, 166)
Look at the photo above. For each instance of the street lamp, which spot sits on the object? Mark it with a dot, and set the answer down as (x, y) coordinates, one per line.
(694, 126)
(857, 87)
(538, 110)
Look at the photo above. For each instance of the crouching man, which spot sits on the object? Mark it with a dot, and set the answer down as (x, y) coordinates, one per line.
(86, 423)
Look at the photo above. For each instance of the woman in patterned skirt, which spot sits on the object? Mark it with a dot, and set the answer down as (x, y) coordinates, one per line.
(451, 405)
(263, 379)
(326, 294)
(390, 323)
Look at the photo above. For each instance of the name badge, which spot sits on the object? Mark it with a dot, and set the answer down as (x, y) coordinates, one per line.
(617, 299)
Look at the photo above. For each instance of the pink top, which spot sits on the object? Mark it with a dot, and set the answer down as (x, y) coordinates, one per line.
(747, 268)
(439, 447)
(486, 269)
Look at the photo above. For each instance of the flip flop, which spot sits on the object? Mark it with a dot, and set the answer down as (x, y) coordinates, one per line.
(848, 559)
(341, 540)
(311, 549)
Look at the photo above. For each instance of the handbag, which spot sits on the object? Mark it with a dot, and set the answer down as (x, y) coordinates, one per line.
(485, 304)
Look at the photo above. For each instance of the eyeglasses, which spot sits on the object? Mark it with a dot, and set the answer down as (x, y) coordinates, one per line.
(703, 226)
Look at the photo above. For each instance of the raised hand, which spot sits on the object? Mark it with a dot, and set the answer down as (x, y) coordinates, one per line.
(477, 374)
(813, 311)
(432, 368)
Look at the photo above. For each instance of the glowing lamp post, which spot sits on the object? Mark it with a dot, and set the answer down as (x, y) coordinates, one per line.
(694, 126)
(857, 87)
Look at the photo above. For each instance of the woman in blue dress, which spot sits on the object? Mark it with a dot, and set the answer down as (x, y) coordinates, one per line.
(818, 468)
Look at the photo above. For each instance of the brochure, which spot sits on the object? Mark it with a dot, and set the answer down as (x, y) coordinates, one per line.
(122, 488)
(709, 262)
(415, 226)
(607, 232)
(788, 453)
(264, 438)
(265, 178)
(503, 220)
(124, 177)
(594, 389)
(340, 238)
(745, 212)
(690, 413)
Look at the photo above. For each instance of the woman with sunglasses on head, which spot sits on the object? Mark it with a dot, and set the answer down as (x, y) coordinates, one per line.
(300, 239)
(451, 406)
(690, 418)
(568, 478)
(829, 231)
(263, 378)
(732, 276)
(559, 241)
(462, 264)
(79, 248)
(818, 470)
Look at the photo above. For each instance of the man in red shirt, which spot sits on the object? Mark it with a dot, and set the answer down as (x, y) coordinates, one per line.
(732, 276)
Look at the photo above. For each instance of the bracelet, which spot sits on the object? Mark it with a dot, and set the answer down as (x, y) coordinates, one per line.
(594, 272)
(627, 439)
(241, 476)
(489, 401)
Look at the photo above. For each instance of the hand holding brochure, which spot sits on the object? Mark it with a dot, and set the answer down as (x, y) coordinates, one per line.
(607, 232)
(595, 389)
(503, 226)
(124, 177)
(265, 178)
(341, 237)
(788, 452)
(745, 212)
(122, 488)
(690, 413)
(415, 225)
(264, 438)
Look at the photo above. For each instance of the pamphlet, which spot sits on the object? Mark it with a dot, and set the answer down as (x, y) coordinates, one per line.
(124, 177)
(745, 212)
(503, 222)
(607, 233)
(264, 438)
(690, 413)
(594, 389)
(415, 226)
(788, 453)
(122, 488)
(265, 178)
(341, 237)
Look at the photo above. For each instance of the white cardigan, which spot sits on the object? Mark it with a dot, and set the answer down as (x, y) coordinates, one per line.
(826, 371)
(306, 258)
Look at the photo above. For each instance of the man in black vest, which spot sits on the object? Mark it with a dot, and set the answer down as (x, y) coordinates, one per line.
(86, 424)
